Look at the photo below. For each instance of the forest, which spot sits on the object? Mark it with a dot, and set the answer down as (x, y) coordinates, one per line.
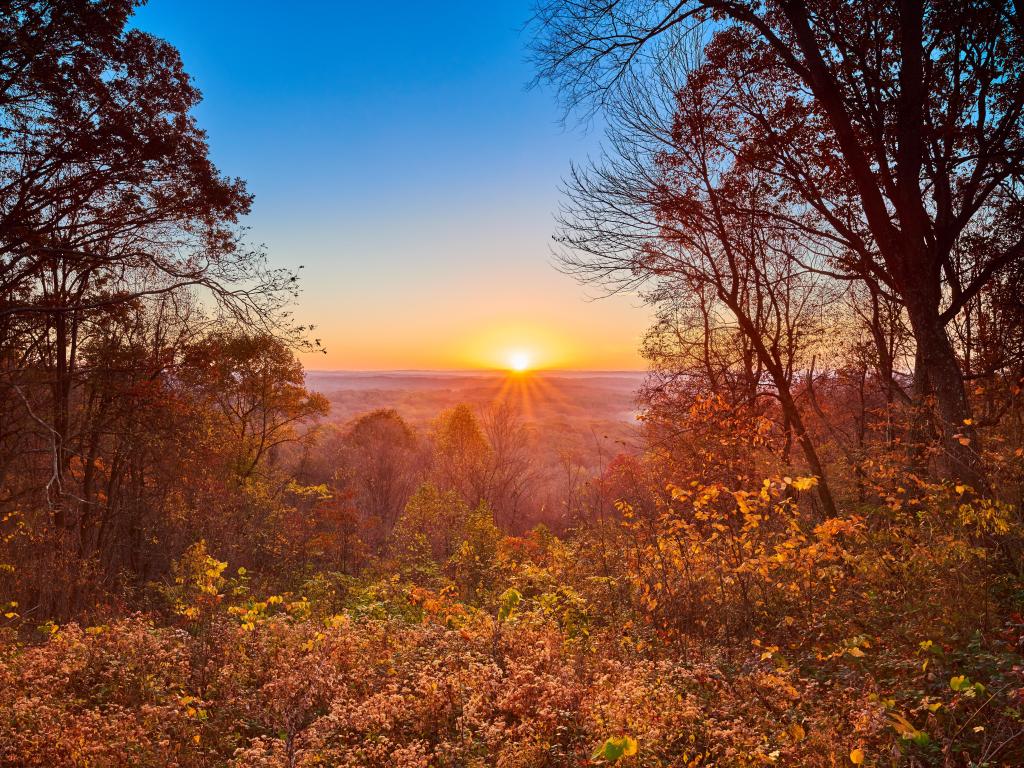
(807, 548)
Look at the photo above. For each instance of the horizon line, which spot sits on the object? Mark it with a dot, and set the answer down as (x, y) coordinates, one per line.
(476, 370)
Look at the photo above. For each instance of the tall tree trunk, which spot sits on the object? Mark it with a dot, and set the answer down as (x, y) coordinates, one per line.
(937, 375)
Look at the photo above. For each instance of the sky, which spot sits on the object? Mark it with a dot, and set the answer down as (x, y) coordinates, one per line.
(396, 153)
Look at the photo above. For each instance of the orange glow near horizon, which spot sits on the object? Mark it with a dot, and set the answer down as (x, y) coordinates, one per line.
(444, 341)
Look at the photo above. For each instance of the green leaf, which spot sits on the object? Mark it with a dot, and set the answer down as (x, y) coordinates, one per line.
(615, 748)
(507, 603)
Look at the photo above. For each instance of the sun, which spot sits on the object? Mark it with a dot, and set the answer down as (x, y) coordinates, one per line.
(519, 362)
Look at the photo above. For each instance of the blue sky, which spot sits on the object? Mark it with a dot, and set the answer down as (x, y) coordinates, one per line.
(395, 151)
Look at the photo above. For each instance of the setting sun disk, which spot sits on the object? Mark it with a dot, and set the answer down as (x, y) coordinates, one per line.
(519, 362)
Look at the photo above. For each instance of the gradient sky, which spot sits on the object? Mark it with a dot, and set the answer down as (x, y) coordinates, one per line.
(395, 152)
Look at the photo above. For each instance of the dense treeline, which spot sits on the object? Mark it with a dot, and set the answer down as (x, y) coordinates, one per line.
(814, 557)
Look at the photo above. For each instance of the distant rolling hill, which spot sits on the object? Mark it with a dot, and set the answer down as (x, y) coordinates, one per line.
(588, 414)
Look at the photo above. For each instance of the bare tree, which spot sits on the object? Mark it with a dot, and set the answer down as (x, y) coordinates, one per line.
(897, 126)
(510, 471)
(670, 212)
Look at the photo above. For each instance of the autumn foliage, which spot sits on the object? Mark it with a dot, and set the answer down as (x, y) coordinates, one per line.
(811, 553)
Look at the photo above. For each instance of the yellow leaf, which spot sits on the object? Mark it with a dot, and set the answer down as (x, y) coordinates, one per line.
(855, 652)
(857, 756)
(805, 483)
(630, 747)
